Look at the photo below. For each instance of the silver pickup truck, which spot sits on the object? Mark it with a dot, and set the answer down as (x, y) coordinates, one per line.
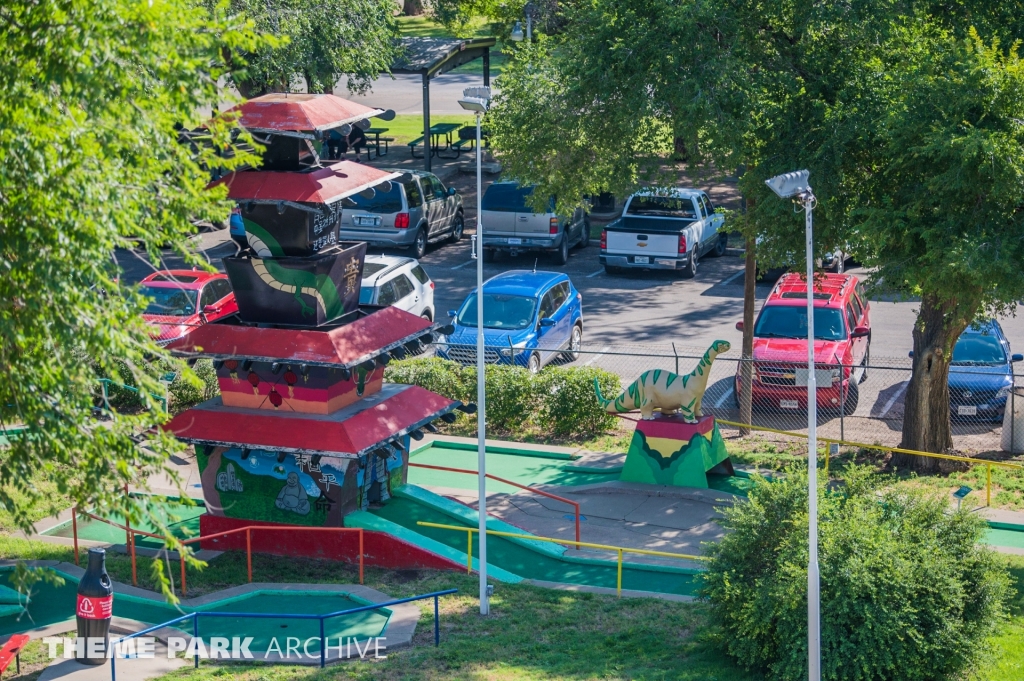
(663, 231)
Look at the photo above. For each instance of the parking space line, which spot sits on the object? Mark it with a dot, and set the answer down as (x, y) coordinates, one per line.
(724, 397)
(735, 276)
(468, 262)
(892, 400)
(594, 274)
(597, 356)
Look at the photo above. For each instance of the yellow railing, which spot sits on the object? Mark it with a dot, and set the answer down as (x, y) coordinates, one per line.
(620, 549)
(962, 459)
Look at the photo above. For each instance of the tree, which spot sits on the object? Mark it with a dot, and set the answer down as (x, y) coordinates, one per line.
(90, 161)
(321, 41)
(907, 590)
(946, 210)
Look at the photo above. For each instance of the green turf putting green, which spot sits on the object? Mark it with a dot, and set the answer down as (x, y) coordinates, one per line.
(532, 564)
(526, 469)
(1000, 536)
(49, 604)
(182, 520)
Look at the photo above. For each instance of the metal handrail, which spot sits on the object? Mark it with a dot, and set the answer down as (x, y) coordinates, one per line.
(265, 615)
(248, 529)
(620, 549)
(574, 504)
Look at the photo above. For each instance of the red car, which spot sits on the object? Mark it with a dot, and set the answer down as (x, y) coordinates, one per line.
(183, 300)
(842, 331)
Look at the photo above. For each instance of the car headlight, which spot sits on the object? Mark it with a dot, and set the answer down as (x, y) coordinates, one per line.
(513, 349)
(1004, 391)
(441, 343)
(836, 375)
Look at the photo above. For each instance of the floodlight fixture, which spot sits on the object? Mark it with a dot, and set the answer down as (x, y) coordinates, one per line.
(475, 104)
(790, 185)
(517, 32)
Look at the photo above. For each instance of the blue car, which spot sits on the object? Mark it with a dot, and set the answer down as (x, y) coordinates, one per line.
(981, 373)
(530, 320)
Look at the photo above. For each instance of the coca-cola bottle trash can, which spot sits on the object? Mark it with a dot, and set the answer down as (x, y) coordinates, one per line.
(95, 608)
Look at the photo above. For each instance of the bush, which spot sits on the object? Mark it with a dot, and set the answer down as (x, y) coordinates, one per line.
(187, 391)
(569, 405)
(559, 401)
(906, 590)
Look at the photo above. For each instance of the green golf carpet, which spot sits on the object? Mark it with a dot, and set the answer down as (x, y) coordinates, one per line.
(182, 520)
(531, 564)
(526, 470)
(1003, 537)
(49, 604)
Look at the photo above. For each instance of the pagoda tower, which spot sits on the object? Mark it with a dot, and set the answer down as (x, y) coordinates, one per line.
(305, 430)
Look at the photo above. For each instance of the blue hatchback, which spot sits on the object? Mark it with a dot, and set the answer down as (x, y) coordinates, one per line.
(530, 320)
(981, 373)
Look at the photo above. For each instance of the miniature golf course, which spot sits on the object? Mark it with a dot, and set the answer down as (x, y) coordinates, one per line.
(49, 604)
(182, 520)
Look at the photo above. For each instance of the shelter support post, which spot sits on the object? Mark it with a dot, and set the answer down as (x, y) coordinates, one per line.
(426, 121)
(487, 67)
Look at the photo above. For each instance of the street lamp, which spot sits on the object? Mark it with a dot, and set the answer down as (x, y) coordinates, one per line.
(794, 186)
(517, 31)
(477, 100)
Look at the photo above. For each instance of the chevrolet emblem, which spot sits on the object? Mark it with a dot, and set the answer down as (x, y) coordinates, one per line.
(642, 245)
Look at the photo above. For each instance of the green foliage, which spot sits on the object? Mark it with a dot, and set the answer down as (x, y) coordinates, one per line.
(906, 590)
(559, 401)
(189, 389)
(319, 39)
(569, 406)
(90, 162)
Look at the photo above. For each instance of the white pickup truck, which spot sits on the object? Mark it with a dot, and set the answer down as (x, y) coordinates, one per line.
(664, 231)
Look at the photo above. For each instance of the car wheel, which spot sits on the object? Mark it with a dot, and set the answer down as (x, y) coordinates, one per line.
(585, 237)
(690, 271)
(575, 344)
(419, 247)
(426, 315)
(866, 363)
(719, 249)
(458, 226)
(562, 254)
(533, 364)
(852, 396)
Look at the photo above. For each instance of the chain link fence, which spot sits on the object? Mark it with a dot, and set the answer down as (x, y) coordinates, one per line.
(858, 404)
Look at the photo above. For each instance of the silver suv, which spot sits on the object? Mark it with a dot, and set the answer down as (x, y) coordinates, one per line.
(414, 213)
(511, 225)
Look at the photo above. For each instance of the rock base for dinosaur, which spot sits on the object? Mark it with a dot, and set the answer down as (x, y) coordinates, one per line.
(669, 451)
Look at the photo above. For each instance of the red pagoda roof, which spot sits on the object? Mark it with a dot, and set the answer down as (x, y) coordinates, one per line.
(393, 412)
(345, 346)
(300, 112)
(324, 185)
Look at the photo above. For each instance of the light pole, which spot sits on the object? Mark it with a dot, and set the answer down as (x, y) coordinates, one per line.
(794, 186)
(517, 30)
(477, 99)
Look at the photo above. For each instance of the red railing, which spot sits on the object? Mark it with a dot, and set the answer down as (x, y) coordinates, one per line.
(575, 505)
(249, 529)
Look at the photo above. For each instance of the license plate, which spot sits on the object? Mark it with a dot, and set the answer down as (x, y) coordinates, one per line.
(642, 259)
(515, 242)
(366, 220)
(789, 404)
(964, 410)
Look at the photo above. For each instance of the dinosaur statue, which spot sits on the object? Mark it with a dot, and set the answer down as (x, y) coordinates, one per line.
(665, 391)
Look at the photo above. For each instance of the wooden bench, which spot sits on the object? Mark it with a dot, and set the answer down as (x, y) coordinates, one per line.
(12, 651)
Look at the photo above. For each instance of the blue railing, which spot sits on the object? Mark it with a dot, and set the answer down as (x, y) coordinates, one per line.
(194, 616)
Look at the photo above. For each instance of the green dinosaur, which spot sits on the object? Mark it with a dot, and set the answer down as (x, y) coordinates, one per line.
(288, 280)
(666, 391)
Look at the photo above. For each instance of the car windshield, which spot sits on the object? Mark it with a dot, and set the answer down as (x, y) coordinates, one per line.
(978, 348)
(663, 206)
(500, 311)
(790, 321)
(506, 198)
(174, 302)
(382, 202)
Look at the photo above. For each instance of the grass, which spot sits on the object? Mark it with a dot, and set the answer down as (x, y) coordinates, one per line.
(407, 127)
(478, 27)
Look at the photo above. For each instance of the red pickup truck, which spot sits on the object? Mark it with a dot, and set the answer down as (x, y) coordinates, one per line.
(842, 337)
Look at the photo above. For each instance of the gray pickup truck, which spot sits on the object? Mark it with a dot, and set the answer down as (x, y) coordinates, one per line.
(510, 225)
(663, 231)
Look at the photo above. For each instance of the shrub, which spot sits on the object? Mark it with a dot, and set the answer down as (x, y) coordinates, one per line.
(441, 376)
(186, 391)
(569, 405)
(511, 397)
(906, 590)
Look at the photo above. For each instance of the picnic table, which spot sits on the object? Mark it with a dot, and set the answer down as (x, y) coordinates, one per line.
(436, 131)
(377, 139)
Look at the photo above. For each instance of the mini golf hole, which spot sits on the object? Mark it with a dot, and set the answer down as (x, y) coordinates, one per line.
(284, 626)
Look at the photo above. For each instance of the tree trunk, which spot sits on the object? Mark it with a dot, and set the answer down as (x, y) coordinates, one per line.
(747, 366)
(682, 154)
(926, 424)
(412, 8)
